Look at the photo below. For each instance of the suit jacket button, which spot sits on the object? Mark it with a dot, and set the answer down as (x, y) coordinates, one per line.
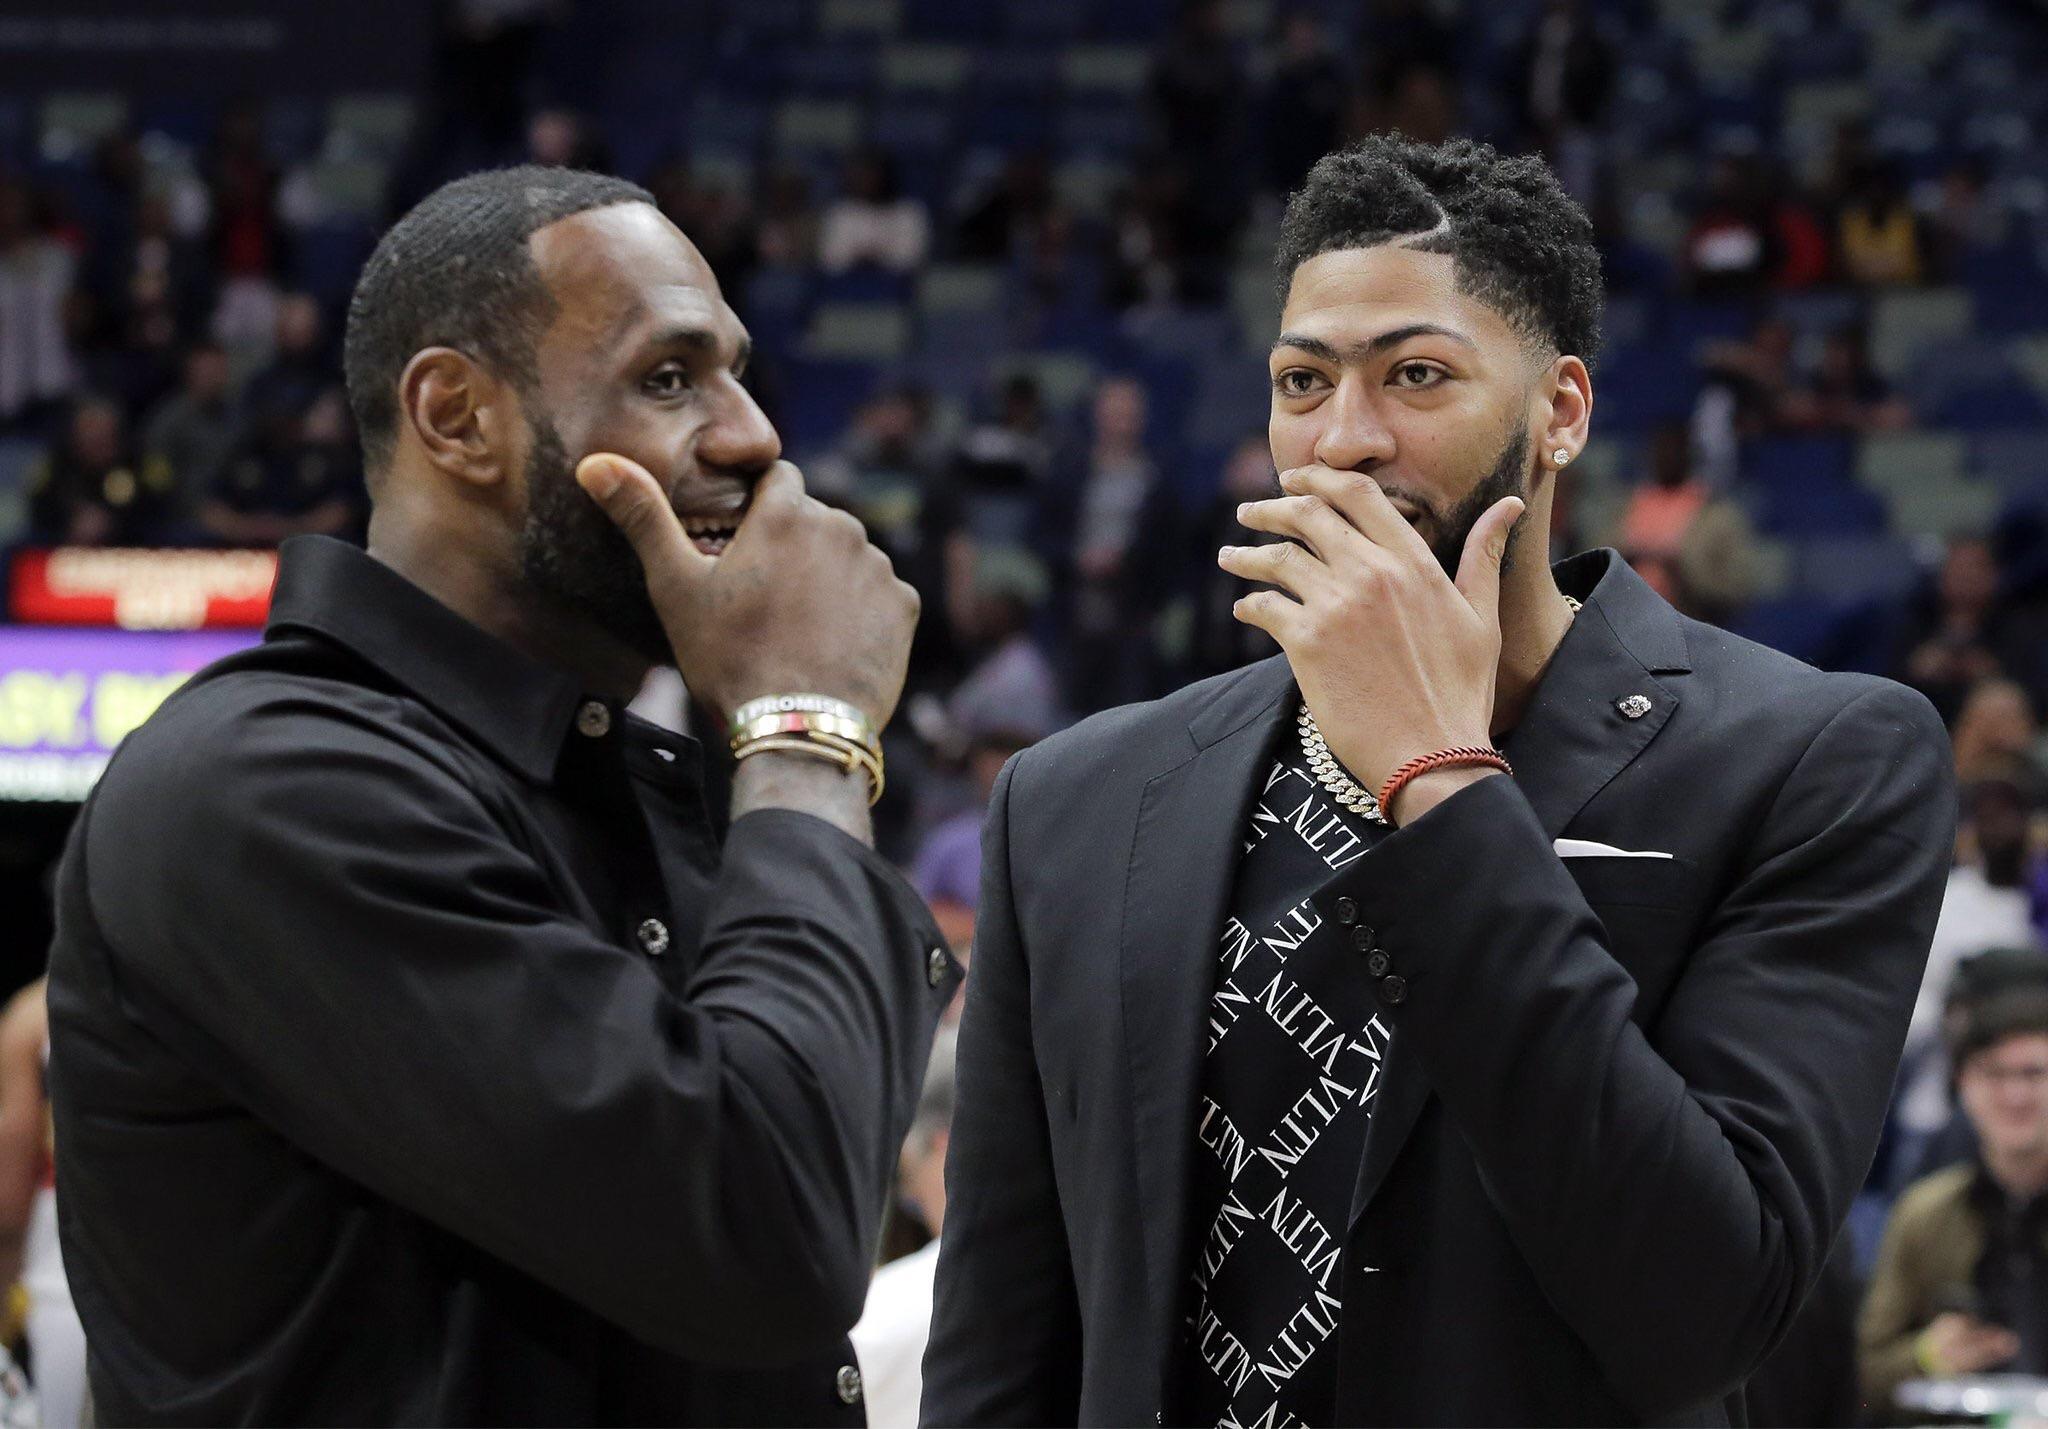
(1393, 989)
(1377, 963)
(935, 966)
(848, 1384)
(1362, 938)
(1347, 910)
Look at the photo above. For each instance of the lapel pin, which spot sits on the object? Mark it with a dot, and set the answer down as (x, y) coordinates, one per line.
(1633, 706)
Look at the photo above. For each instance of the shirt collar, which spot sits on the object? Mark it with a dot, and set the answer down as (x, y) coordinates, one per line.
(516, 707)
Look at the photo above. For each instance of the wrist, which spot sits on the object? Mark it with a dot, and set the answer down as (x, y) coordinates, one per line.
(1417, 796)
(779, 779)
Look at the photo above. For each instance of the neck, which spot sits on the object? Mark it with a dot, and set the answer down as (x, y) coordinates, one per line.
(1533, 620)
(481, 581)
(2021, 1174)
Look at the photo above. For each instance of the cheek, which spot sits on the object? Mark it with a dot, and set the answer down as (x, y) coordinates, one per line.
(1293, 436)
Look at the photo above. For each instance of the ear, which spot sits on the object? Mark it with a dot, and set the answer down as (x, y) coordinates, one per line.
(467, 420)
(1563, 423)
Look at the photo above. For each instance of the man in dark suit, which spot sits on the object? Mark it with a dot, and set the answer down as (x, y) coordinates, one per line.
(1315, 1069)
(425, 1050)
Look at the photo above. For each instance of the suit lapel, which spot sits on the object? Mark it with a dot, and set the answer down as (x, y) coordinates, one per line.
(1183, 859)
(1576, 736)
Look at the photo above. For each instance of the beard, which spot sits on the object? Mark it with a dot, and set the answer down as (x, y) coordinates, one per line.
(1509, 477)
(576, 559)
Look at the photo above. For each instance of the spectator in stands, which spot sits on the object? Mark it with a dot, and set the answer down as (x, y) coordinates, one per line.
(786, 233)
(1846, 393)
(1966, 634)
(882, 469)
(1115, 522)
(294, 478)
(1929, 1131)
(1564, 74)
(1217, 640)
(1986, 903)
(36, 368)
(1745, 386)
(189, 436)
(948, 867)
(715, 215)
(1996, 737)
(1398, 37)
(896, 1321)
(995, 487)
(1880, 238)
(1961, 1284)
(558, 138)
(1728, 249)
(1661, 509)
(998, 217)
(299, 371)
(1011, 684)
(246, 239)
(90, 490)
(1306, 101)
(872, 222)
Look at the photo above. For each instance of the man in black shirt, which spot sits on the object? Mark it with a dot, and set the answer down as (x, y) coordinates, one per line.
(425, 1051)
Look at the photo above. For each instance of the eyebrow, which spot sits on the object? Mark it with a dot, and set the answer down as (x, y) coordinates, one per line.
(703, 340)
(1371, 347)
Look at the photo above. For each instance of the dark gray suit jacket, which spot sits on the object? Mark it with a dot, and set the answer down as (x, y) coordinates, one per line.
(1628, 1099)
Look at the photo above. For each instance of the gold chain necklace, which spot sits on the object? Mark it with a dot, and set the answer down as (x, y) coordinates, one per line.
(1333, 776)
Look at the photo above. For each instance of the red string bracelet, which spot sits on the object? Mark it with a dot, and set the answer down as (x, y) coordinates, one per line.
(1467, 757)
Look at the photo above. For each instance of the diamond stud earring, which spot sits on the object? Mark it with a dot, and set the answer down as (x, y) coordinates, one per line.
(1560, 456)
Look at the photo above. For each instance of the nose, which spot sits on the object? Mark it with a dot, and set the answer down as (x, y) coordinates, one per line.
(1353, 437)
(739, 440)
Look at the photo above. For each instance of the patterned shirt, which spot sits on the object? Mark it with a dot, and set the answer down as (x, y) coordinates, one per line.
(1293, 1063)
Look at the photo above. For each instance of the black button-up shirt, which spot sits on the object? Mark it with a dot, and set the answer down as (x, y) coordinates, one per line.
(419, 1054)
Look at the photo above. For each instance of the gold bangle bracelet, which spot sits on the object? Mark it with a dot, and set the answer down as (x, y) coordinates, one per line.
(843, 753)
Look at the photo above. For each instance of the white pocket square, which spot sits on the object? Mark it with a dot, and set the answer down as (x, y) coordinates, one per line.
(1586, 848)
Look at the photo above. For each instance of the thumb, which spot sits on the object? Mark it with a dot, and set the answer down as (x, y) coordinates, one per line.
(1485, 548)
(625, 491)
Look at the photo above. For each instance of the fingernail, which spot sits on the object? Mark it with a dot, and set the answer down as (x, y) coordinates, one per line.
(1242, 507)
(598, 476)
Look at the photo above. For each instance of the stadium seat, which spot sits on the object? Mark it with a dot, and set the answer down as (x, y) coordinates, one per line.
(1064, 379)
(73, 123)
(1895, 461)
(1944, 507)
(2015, 460)
(1902, 324)
(816, 126)
(374, 126)
(1105, 69)
(859, 17)
(866, 332)
(1850, 569)
(926, 68)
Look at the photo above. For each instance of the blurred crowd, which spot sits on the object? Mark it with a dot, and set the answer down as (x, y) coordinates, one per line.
(169, 375)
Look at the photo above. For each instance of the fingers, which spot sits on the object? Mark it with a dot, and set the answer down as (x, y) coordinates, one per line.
(1270, 611)
(1282, 564)
(1308, 519)
(1359, 500)
(1485, 548)
(634, 500)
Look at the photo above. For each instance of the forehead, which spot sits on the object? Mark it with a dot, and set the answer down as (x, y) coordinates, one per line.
(1352, 293)
(616, 268)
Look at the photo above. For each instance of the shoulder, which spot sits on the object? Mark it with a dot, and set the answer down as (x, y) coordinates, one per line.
(1929, 1203)
(1156, 735)
(1765, 694)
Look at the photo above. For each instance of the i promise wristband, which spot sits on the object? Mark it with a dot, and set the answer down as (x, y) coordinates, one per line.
(1464, 757)
(796, 704)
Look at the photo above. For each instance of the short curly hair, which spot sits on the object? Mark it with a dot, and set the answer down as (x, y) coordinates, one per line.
(456, 272)
(1520, 243)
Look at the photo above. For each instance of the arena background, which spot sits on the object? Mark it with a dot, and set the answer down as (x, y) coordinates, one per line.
(1008, 270)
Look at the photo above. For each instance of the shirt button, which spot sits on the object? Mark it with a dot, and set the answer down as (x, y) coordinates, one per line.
(1393, 989)
(847, 1382)
(1347, 910)
(594, 720)
(1377, 963)
(935, 967)
(653, 937)
(1362, 938)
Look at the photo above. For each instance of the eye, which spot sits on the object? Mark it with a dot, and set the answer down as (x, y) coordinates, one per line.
(1417, 374)
(1295, 382)
(668, 380)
